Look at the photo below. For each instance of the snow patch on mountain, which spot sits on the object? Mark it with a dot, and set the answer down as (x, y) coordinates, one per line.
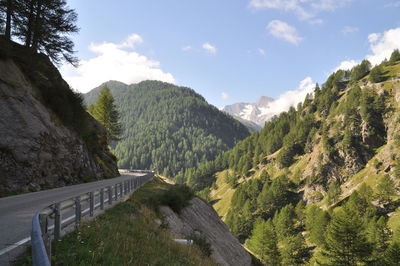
(265, 107)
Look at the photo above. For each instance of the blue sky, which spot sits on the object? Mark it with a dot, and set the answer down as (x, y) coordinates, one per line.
(229, 50)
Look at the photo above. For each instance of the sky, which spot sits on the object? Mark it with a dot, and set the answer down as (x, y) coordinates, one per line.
(230, 50)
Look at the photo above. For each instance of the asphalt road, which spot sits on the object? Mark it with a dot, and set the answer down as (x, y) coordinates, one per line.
(16, 211)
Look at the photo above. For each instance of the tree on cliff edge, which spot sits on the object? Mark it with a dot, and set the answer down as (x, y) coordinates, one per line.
(43, 25)
(105, 111)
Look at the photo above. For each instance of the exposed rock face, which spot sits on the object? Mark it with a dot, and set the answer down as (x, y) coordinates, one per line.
(36, 150)
(201, 218)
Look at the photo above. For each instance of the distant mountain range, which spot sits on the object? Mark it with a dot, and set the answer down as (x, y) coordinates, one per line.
(254, 114)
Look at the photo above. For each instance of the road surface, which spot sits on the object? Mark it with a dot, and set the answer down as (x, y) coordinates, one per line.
(16, 211)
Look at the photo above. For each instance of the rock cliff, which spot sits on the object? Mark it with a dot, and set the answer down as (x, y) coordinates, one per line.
(199, 217)
(46, 140)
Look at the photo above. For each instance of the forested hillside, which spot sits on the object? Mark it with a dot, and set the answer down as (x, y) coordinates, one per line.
(320, 184)
(168, 128)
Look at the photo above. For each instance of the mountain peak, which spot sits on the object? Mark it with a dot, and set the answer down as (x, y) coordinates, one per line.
(264, 100)
(254, 112)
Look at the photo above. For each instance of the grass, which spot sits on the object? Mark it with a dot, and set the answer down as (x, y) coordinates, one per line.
(127, 235)
(222, 196)
(394, 220)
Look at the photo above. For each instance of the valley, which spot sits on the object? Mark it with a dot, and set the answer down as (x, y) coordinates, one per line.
(262, 132)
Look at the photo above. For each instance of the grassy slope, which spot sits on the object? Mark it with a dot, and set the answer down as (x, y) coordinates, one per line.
(369, 174)
(221, 196)
(126, 235)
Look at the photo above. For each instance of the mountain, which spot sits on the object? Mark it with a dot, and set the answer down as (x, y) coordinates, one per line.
(168, 128)
(256, 113)
(320, 178)
(46, 137)
(251, 126)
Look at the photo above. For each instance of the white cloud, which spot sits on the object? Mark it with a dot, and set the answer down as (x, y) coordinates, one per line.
(304, 9)
(349, 29)
(209, 48)
(224, 95)
(373, 37)
(261, 51)
(290, 98)
(114, 61)
(187, 48)
(381, 46)
(282, 30)
(346, 65)
(131, 41)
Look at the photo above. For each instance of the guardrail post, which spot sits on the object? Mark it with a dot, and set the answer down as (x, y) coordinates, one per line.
(77, 211)
(91, 204)
(102, 199)
(126, 187)
(116, 192)
(45, 235)
(109, 195)
(57, 221)
(121, 188)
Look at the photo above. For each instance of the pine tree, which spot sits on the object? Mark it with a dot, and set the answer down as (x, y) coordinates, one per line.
(7, 9)
(45, 26)
(284, 221)
(392, 255)
(395, 56)
(105, 111)
(316, 222)
(294, 250)
(378, 234)
(346, 243)
(333, 192)
(360, 70)
(385, 189)
(300, 212)
(375, 75)
(263, 242)
(2, 15)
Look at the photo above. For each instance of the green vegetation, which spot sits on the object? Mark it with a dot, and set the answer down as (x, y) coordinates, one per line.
(127, 235)
(176, 197)
(43, 26)
(168, 128)
(395, 57)
(105, 111)
(317, 185)
(263, 241)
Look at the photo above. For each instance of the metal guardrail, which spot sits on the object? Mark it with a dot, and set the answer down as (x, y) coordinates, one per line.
(47, 224)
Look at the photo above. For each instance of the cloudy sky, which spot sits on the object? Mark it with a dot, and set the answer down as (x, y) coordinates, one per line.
(230, 50)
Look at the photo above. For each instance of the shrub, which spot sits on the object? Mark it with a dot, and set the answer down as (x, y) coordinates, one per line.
(201, 242)
(177, 197)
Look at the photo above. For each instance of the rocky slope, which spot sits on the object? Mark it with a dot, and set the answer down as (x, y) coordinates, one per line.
(256, 113)
(200, 218)
(46, 137)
